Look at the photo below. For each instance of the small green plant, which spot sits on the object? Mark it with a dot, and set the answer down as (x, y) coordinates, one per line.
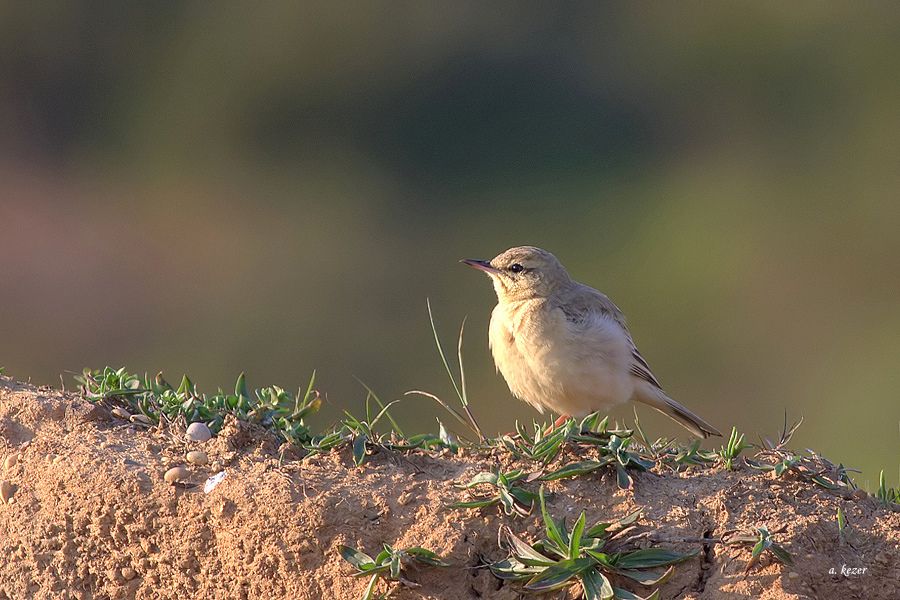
(513, 499)
(690, 456)
(615, 454)
(667, 452)
(388, 565)
(108, 383)
(841, 523)
(787, 464)
(547, 441)
(362, 431)
(730, 451)
(777, 459)
(656, 449)
(884, 494)
(542, 446)
(577, 469)
(425, 441)
(813, 469)
(581, 556)
(762, 542)
(319, 444)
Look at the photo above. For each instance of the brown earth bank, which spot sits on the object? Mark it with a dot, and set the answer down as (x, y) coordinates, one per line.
(91, 517)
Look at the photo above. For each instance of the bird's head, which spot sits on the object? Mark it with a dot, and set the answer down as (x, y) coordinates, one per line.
(523, 273)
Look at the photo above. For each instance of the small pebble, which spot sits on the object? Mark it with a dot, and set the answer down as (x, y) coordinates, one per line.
(176, 474)
(197, 457)
(121, 413)
(11, 461)
(142, 419)
(198, 432)
(6, 491)
(128, 573)
(793, 574)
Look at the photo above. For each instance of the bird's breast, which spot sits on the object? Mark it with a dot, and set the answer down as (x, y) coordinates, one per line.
(552, 362)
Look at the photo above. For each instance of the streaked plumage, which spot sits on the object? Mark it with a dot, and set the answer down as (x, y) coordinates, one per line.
(564, 346)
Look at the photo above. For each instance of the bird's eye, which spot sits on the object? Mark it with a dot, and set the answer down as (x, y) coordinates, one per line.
(516, 268)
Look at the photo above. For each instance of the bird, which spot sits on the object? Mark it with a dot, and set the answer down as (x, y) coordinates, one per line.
(563, 346)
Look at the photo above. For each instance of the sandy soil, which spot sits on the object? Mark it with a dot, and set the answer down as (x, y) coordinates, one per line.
(92, 517)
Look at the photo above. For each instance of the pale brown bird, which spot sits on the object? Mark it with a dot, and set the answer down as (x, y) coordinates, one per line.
(564, 346)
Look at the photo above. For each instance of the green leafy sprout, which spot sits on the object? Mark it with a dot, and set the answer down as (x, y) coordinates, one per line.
(388, 565)
(813, 468)
(775, 458)
(615, 452)
(762, 542)
(513, 499)
(582, 556)
(362, 431)
(884, 494)
(841, 523)
(731, 450)
(547, 442)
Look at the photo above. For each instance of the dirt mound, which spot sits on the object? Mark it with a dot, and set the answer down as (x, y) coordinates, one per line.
(92, 517)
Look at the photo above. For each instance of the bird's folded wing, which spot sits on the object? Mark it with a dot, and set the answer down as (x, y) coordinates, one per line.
(641, 369)
(587, 299)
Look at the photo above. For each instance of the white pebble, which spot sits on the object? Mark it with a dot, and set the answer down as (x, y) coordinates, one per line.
(176, 474)
(198, 432)
(197, 457)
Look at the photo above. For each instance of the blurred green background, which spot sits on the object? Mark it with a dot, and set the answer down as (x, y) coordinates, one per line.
(275, 187)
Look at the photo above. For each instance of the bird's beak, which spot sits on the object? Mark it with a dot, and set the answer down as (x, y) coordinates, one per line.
(481, 265)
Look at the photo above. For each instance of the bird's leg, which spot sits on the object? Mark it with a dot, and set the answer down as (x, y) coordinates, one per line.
(559, 422)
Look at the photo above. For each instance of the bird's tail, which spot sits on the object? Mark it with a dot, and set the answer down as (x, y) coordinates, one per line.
(655, 397)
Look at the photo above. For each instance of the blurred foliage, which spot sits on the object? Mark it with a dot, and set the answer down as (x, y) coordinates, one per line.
(277, 187)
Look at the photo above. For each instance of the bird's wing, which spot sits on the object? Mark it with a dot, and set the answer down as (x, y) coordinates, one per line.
(641, 369)
(586, 300)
